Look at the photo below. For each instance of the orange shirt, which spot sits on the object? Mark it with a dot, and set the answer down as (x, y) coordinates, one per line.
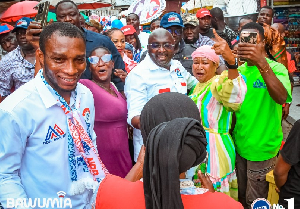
(115, 193)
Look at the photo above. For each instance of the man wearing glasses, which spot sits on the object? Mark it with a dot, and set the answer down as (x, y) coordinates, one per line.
(157, 73)
(17, 67)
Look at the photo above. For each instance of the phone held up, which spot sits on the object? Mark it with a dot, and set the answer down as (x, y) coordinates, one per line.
(248, 37)
(42, 15)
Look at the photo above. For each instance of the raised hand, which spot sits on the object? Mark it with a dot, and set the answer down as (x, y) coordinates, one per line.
(254, 53)
(32, 33)
(221, 48)
(121, 74)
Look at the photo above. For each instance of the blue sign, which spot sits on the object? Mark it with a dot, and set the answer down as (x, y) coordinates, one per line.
(260, 203)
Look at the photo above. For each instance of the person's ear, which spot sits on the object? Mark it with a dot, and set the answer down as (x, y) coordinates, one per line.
(40, 56)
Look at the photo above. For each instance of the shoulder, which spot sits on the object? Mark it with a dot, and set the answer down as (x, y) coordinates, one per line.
(83, 89)
(85, 82)
(9, 58)
(22, 97)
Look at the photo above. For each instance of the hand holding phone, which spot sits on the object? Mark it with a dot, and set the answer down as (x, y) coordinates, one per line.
(42, 14)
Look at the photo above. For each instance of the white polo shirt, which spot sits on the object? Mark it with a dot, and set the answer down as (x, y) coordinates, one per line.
(147, 80)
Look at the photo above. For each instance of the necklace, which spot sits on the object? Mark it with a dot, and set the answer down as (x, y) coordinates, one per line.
(109, 90)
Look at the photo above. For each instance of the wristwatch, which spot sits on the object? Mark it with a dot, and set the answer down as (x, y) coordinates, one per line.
(235, 66)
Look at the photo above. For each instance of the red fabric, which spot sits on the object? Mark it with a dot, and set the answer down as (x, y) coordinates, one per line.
(115, 193)
(128, 30)
(291, 63)
(202, 13)
(19, 10)
(160, 91)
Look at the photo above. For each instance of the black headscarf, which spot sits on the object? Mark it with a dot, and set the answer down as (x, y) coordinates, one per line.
(174, 144)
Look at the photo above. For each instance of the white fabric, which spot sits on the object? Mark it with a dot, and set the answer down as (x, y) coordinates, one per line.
(145, 81)
(30, 168)
(144, 39)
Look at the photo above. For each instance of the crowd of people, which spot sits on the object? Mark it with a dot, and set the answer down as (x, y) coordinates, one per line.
(185, 116)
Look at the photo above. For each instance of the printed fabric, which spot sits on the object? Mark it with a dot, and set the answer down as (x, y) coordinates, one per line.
(216, 99)
(86, 173)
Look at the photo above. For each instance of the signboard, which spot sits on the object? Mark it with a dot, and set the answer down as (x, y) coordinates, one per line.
(147, 10)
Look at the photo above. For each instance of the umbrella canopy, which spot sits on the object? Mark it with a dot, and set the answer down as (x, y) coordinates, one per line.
(19, 10)
(83, 4)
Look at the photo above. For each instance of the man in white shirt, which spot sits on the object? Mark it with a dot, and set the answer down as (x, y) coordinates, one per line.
(134, 20)
(48, 155)
(157, 73)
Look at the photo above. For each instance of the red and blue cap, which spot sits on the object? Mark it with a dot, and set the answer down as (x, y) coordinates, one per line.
(5, 28)
(22, 23)
(171, 19)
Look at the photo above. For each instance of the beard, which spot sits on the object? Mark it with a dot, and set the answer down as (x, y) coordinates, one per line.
(190, 41)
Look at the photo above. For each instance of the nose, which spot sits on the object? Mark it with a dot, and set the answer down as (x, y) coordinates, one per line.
(7, 44)
(173, 33)
(161, 48)
(189, 30)
(67, 19)
(71, 69)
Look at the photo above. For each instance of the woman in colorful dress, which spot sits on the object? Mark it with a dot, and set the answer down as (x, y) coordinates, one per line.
(110, 114)
(217, 96)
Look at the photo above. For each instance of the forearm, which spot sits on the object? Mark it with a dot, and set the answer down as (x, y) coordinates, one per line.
(136, 172)
(135, 122)
(274, 86)
(280, 179)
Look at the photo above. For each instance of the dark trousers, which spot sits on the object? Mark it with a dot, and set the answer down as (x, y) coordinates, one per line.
(251, 176)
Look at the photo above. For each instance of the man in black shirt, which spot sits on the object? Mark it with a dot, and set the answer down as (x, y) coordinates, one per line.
(287, 169)
(204, 18)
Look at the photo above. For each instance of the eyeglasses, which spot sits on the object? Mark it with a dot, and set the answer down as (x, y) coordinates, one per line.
(164, 45)
(95, 60)
(176, 31)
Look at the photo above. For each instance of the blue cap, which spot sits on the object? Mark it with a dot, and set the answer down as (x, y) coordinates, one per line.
(128, 46)
(117, 24)
(22, 23)
(171, 19)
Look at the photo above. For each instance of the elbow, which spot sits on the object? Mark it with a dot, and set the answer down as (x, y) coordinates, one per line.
(282, 99)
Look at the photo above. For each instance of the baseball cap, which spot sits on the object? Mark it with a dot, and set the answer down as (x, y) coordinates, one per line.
(22, 23)
(190, 19)
(128, 46)
(171, 19)
(128, 30)
(202, 13)
(5, 28)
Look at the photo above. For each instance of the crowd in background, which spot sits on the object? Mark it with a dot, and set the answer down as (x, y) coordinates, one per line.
(220, 132)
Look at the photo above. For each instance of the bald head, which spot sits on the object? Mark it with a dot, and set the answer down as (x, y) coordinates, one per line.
(161, 47)
(280, 27)
(159, 34)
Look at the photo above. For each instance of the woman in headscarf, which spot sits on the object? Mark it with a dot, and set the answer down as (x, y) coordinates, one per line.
(217, 96)
(175, 141)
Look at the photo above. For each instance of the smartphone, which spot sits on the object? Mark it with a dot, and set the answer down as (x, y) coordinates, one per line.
(42, 14)
(248, 37)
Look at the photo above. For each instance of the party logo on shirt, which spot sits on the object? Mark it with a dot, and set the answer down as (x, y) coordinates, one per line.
(177, 71)
(261, 203)
(260, 85)
(54, 134)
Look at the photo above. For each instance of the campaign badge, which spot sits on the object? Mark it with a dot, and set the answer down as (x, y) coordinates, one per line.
(261, 203)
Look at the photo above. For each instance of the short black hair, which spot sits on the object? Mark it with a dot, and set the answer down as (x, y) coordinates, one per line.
(65, 1)
(133, 14)
(100, 47)
(217, 12)
(245, 18)
(254, 25)
(157, 19)
(63, 29)
(267, 7)
(111, 31)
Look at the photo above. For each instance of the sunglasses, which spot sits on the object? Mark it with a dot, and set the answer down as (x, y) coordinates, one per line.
(165, 45)
(95, 60)
(176, 31)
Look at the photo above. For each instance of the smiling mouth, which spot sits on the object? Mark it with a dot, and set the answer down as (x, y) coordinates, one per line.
(69, 79)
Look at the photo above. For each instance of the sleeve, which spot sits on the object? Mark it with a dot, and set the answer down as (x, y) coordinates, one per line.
(291, 149)
(282, 74)
(136, 94)
(190, 80)
(6, 81)
(231, 93)
(12, 145)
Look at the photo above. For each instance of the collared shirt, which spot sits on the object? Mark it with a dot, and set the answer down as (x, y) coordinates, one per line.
(15, 71)
(204, 40)
(30, 168)
(94, 40)
(147, 80)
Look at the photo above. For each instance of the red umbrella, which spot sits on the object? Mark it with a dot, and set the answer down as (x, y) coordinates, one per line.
(95, 5)
(19, 10)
